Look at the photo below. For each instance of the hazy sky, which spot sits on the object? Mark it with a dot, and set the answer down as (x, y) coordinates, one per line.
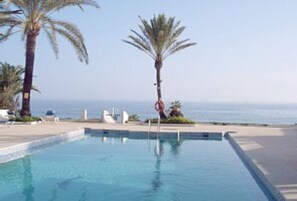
(246, 52)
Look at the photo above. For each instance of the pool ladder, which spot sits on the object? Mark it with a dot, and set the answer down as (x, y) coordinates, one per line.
(158, 130)
(150, 125)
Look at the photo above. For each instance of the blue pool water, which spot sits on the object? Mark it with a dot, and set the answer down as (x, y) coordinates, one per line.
(110, 169)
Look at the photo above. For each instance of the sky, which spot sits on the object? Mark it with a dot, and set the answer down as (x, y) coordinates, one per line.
(246, 52)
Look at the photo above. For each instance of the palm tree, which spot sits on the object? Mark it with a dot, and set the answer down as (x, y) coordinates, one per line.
(11, 84)
(36, 16)
(159, 39)
(175, 109)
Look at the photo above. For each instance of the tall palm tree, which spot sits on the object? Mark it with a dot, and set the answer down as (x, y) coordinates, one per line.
(159, 39)
(36, 16)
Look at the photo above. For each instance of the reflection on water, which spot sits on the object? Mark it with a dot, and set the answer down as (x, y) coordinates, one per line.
(62, 186)
(65, 183)
(159, 151)
(28, 179)
(54, 195)
(105, 139)
(156, 181)
(83, 195)
(175, 146)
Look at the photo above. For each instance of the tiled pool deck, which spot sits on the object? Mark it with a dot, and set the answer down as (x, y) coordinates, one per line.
(270, 151)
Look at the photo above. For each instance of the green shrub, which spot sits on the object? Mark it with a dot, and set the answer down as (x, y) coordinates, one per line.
(172, 120)
(27, 119)
(134, 117)
(219, 123)
(178, 120)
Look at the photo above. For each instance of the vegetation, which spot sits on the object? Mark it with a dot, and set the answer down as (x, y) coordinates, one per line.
(175, 109)
(26, 119)
(31, 18)
(134, 117)
(241, 124)
(11, 84)
(172, 120)
(159, 39)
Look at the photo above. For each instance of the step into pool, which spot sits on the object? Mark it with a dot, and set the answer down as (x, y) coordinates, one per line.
(101, 168)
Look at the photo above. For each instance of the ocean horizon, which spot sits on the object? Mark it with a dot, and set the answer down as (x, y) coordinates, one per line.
(258, 113)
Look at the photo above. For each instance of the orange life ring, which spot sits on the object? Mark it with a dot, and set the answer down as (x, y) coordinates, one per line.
(159, 106)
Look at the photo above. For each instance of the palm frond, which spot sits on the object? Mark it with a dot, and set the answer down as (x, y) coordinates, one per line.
(179, 48)
(159, 37)
(52, 6)
(70, 28)
(76, 43)
(138, 46)
(49, 28)
(51, 35)
(8, 32)
(23, 5)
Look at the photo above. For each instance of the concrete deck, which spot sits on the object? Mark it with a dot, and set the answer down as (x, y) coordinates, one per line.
(272, 149)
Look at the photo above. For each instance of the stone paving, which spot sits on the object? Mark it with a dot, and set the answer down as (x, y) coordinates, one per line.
(272, 149)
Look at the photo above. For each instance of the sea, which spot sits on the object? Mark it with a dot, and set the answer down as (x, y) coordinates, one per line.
(197, 111)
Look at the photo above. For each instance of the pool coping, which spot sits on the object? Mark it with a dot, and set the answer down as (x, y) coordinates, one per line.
(277, 195)
(23, 149)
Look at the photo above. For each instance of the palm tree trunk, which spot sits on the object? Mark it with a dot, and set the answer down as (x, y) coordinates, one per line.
(158, 66)
(30, 55)
(159, 84)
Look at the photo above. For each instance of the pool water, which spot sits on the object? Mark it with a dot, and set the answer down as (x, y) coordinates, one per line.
(120, 169)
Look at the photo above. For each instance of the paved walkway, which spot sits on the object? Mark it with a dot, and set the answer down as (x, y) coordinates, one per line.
(272, 149)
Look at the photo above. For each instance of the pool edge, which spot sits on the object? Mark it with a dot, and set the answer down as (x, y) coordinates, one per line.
(26, 148)
(260, 176)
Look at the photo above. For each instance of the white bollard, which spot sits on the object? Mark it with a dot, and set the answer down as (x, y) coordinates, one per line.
(84, 115)
(124, 117)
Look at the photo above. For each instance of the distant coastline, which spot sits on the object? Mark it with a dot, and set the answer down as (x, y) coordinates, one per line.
(253, 113)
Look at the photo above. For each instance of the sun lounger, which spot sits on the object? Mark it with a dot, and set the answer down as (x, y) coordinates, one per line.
(51, 116)
(5, 117)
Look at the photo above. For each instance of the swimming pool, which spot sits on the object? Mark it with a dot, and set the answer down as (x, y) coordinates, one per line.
(108, 168)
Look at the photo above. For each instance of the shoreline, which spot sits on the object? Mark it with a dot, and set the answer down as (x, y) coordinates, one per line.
(203, 112)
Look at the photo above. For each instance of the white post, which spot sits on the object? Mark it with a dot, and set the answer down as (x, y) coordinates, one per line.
(157, 150)
(84, 115)
(124, 117)
(158, 130)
